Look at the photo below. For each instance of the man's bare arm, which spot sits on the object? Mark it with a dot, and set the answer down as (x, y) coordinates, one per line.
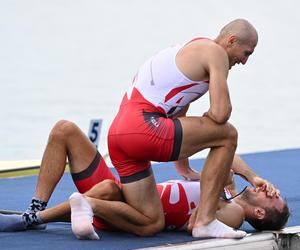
(217, 67)
(240, 167)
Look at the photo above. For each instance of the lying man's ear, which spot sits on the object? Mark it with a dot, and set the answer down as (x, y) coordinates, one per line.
(259, 213)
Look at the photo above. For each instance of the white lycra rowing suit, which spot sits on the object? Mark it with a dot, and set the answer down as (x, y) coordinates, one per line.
(179, 198)
(145, 128)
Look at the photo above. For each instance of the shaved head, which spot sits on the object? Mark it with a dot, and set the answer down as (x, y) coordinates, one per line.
(242, 29)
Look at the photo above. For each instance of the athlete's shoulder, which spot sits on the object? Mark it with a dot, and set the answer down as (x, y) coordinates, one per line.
(206, 49)
(204, 43)
(212, 48)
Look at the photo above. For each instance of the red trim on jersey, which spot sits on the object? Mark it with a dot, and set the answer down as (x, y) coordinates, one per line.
(179, 100)
(160, 110)
(175, 91)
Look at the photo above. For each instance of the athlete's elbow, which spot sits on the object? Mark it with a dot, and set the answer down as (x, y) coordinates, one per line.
(221, 120)
(221, 116)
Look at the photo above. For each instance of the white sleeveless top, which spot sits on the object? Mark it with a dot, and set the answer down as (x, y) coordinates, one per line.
(179, 198)
(161, 83)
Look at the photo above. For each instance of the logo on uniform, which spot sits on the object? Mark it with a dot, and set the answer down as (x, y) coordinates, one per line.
(154, 121)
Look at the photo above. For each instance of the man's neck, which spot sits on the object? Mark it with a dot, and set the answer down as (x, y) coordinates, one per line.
(245, 206)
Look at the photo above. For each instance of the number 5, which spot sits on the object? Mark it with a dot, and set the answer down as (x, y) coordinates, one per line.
(94, 131)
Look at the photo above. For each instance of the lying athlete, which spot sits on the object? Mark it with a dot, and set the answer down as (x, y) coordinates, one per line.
(179, 198)
(100, 188)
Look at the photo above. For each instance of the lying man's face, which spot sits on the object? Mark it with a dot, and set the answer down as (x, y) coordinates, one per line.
(265, 212)
(258, 197)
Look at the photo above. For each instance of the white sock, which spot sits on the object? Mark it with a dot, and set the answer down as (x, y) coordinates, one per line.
(82, 218)
(217, 229)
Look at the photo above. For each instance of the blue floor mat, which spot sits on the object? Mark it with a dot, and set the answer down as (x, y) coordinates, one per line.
(280, 167)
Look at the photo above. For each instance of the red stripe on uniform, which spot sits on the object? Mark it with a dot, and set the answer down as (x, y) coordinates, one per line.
(175, 91)
(179, 100)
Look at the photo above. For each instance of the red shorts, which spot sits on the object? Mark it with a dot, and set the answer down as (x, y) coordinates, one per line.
(95, 173)
(141, 133)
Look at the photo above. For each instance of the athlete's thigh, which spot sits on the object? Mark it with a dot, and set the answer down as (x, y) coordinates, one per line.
(199, 133)
(143, 196)
(81, 151)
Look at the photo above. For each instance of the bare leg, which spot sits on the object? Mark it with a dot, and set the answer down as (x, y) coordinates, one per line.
(212, 183)
(142, 215)
(58, 213)
(66, 140)
(200, 133)
(105, 190)
(82, 213)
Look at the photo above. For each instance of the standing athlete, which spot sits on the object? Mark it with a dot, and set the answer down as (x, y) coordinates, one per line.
(151, 125)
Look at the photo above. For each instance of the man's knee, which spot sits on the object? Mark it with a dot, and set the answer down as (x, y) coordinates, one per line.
(62, 130)
(106, 190)
(231, 135)
(153, 227)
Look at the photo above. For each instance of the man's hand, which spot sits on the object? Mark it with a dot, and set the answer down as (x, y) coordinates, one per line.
(230, 179)
(241, 168)
(265, 185)
(183, 168)
(191, 221)
(189, 174)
